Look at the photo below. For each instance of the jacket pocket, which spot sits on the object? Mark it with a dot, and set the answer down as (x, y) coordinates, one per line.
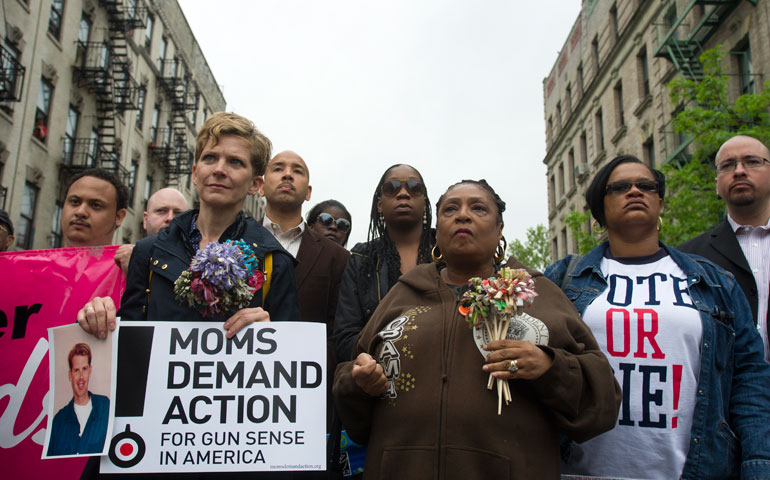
(724, 342)
(471, 463)
(408, 462)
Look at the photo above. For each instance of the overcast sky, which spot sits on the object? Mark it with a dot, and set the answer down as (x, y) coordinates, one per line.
(452, 87)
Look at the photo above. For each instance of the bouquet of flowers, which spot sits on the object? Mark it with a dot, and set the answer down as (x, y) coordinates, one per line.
(222, 278)
(493, 301)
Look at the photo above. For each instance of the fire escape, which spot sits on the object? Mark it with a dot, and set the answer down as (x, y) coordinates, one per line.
(684, 51)
(171, 147)
(11, 85)
(104, 69)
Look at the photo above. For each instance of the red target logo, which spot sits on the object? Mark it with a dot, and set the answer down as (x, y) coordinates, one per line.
(126, 449)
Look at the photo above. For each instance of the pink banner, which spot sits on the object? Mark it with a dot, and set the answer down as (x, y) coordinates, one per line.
(41, 289)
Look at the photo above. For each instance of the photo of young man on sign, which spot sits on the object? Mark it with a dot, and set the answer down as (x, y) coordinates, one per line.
(80, 412)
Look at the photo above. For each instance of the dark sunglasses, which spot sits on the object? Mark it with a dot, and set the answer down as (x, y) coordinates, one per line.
(391, 187)
(622, 186)
(343, 225)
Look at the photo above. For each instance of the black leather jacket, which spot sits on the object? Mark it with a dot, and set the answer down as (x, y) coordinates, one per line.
(169, 253)
(360, 293)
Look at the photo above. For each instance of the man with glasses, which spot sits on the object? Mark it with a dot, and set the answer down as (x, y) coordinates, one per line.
(321, 261)
(6, 231)
(741, 243)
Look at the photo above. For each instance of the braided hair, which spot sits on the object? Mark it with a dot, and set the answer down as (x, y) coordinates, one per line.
(381, 248)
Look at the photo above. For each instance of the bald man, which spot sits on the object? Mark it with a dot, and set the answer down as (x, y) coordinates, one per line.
(740, 244)
(321, 263)
(162, 207)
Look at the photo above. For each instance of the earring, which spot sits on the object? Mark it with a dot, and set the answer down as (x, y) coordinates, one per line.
(597, 229)
(660, 223)
(424, 217)
(500, 251)
(436, 258)
(382, 219)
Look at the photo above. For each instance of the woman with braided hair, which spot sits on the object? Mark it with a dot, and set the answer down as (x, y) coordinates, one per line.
(400, 238)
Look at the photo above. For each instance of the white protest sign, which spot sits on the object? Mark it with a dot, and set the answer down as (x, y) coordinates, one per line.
(256, 402)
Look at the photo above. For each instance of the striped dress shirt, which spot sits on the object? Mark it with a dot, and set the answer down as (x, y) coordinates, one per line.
(755, 243)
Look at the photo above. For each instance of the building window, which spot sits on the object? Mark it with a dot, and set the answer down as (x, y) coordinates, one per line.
(649, 152)
(571, 167)
(563, 242)
(56, 237)
(562, 190)
(70, 132)
(25, 231)
(620, 115)
(583, 147)
(84, 32)
(644, 72)
(55, 20)
(558, 117)
(599, 126)
(148, 33)
(568, 98)
(580, 79)
(140, 111)
(154, 125)
(132, 182)
(43, 109)
(93, 149)
(595, 53)
(552, 192)
(147, 190)
(554, 249)
(9, 77)
(745, 69)
(549, 132)
(167, 138)
(162, 58)
(669, 20)
(614, 21)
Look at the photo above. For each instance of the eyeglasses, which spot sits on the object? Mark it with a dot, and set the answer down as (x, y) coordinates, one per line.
(413, 186)
(343, 225)
(622, 186)
(748, 162)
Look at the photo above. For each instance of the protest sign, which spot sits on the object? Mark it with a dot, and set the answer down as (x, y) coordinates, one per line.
(191, 400)
(42, 289)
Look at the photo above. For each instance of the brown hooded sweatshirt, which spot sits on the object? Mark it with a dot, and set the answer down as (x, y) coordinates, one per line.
(439, 421)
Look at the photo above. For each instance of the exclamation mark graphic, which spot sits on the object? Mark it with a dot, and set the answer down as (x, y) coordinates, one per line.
(677, 385)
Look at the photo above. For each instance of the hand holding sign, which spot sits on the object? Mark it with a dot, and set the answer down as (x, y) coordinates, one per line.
(243, 318)
(97, 316)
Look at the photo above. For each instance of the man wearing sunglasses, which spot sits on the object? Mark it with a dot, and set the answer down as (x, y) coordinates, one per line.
(741, 243)
(321, 261)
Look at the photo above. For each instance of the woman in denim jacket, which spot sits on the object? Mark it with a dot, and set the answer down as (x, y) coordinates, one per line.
(678, 333)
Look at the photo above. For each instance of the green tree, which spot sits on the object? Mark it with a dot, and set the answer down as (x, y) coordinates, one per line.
(692, 206)
(535, 252)
(710, 119)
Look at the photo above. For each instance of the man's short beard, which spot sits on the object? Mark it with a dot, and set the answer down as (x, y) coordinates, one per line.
(742, 199)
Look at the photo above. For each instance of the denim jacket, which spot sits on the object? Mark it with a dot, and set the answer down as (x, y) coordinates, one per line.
(730, 435)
